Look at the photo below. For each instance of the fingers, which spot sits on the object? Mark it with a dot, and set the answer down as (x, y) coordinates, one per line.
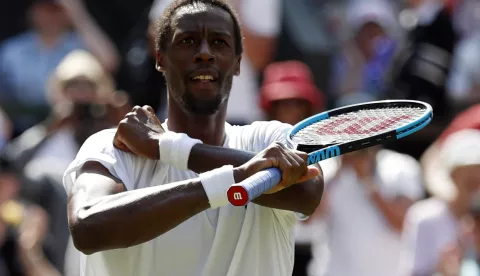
(311, 173)
(293, 165)
(140, 112)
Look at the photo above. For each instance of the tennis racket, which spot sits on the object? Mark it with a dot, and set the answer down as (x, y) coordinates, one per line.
(339, 131)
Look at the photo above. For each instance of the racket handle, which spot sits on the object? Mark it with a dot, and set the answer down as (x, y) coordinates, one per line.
(242, 193)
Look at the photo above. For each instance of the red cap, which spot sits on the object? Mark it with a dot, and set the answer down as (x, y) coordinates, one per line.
(468, 119)
(289, 80)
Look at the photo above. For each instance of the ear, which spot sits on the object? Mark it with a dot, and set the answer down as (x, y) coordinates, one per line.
(237, 66)
(160, 62)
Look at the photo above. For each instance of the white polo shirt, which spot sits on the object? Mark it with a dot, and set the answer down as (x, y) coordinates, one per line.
(228, 241)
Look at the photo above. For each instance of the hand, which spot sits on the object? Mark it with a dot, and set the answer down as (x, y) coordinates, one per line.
(450, 261)
(139, 133)
(33, 230)
(292, 163)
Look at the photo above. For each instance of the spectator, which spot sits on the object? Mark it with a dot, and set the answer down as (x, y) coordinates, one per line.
(23, 230)
(81, 94)
(27, 60)
(365, 56)
(433, 225)
(464, 81)
(363, 208)
(289, 95)
(422, 66)
(461, 258)
(431, 159)
(310, 33)
(260, 22)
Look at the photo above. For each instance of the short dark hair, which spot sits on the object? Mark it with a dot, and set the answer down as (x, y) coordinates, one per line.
(163, 24)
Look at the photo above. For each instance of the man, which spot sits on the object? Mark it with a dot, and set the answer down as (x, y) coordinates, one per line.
(28, 59)
(149, 213)
(261, 23)
(363, 210)
(288, 93)
(433, 225)
(82, 99)
(359, 67)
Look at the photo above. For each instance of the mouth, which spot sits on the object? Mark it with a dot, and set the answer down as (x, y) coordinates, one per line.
(206, 78)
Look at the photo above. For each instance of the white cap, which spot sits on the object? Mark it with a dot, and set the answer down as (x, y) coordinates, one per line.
(461, 148)
(79, 64)
(380, 12)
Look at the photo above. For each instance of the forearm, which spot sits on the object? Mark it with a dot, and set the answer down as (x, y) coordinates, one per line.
(133, 217)
(97, 42)
(302, 198)
(34, 263)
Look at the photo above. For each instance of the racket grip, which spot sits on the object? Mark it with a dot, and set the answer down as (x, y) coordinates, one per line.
(242, 193)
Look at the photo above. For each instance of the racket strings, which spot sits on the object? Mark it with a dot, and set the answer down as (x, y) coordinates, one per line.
(356, 125)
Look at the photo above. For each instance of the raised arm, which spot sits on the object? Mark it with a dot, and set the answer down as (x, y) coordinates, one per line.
(140, 133)
(103, 215)
(302, 198)
(99, 206)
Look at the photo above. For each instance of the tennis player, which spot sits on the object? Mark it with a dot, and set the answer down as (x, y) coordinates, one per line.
(154, 201)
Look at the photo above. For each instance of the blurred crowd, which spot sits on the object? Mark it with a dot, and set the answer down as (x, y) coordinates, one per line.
(69, 68)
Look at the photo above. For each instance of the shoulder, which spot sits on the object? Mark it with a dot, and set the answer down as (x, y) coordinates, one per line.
(101, 141)
(263, 128)
(15, 44)
(426, 212)
(261, 134)
(99, 148)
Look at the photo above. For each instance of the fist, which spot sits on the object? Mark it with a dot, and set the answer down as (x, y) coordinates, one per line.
(292, 164)
(139, 133)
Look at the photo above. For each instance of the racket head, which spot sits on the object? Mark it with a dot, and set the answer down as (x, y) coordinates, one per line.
(358, 126)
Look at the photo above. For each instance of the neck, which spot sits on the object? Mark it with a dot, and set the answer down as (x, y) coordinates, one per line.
(209, 129)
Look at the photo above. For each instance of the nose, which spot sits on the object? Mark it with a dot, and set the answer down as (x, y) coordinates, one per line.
(204, 53)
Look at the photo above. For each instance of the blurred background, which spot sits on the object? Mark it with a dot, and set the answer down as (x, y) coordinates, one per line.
(69, 68)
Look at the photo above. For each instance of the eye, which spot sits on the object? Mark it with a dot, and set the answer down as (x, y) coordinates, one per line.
(220, 42)
(188, 41)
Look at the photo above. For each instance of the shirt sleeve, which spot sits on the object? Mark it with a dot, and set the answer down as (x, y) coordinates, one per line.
(99, 147)
(261, 17)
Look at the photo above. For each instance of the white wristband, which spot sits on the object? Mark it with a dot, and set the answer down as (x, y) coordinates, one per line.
(216, 184)
(175, 149)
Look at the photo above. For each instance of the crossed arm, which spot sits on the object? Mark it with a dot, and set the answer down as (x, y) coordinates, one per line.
(99, 204)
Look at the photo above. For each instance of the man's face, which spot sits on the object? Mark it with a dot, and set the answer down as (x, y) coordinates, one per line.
(467, 179)
(368, 36)
(49, 17)
(290, 111)
(200, 61)
(80, 90)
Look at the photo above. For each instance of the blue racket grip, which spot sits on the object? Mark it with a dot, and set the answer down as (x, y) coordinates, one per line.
(242, 193)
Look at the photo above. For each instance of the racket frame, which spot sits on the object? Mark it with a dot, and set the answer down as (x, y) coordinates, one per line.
(319, 153)
(239, 195)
